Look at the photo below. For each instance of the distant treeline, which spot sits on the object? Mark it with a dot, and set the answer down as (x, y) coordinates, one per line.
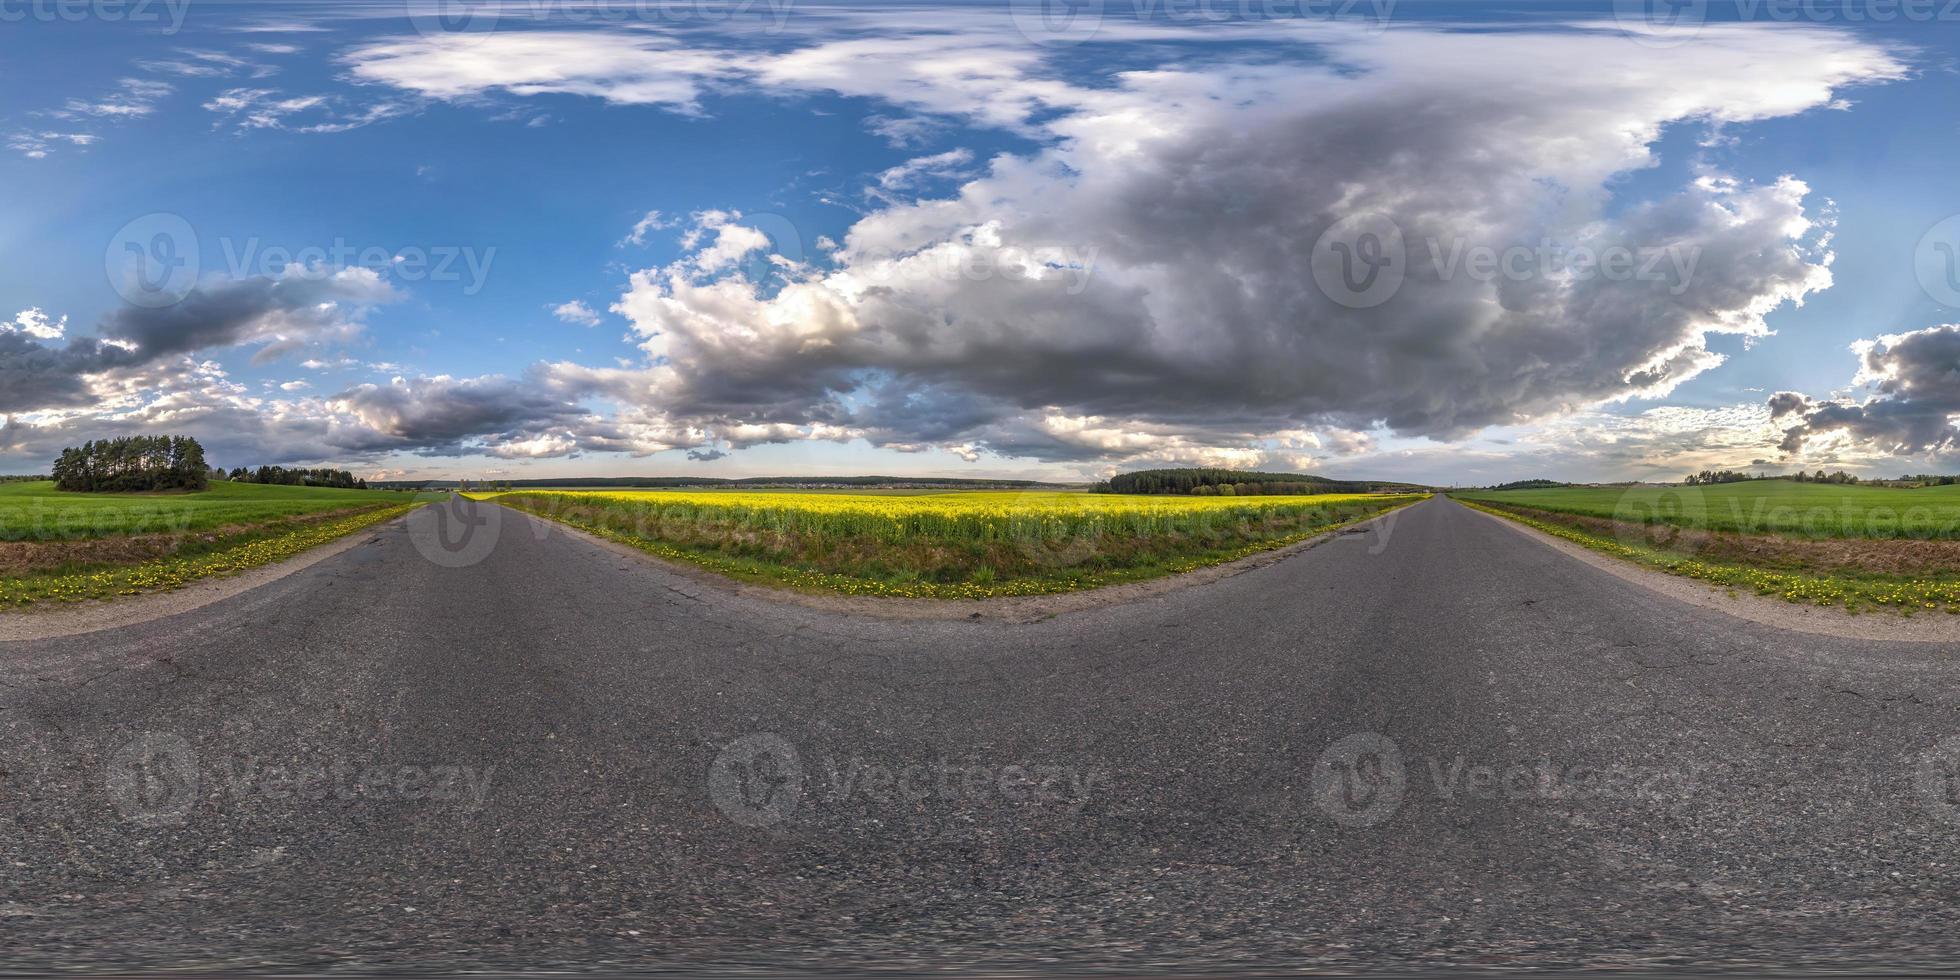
(132, 464)
(1840, 477)
(22, 479)
(1710, 477)
(296, 477)
(1206, 482)
(1531, 485)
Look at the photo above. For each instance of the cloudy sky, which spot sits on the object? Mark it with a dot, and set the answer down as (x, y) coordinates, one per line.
(1434, 241)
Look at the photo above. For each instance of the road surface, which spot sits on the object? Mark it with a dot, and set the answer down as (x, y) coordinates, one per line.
(1445, 745)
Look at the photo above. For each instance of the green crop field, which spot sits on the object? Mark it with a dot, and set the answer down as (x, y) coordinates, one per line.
(1758, 506)
(39, 512)
(58, 546)
(947, 545)
(1820, 543)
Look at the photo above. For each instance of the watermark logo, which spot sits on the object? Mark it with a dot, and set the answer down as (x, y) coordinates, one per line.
(756, 780)
(1936, 775)
(1358, 781)
(1361, 260)
(784, 254)
(1937, 262)
(1056, 21)
(153, 261)
(759, 780)
(432, 17)
(1646, 516)
(1661, 23)
(152, 780)
(456, 533)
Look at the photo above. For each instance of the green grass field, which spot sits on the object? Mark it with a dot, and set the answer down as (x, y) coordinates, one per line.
(39, 512)
(1759, 506)
(947, 544)
(58, 546)
(1825, 544)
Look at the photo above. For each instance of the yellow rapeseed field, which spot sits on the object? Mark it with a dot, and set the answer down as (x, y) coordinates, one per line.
(946, 545)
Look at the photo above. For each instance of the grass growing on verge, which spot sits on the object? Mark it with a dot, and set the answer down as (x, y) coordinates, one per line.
(948, 545)
(1815, 510)
(38, 512)
(231, 528)
(236, 553)
(1905, 593)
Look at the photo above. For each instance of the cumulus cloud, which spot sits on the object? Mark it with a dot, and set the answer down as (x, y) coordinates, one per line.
(279, 315)
(575, 311)
(276, 316)
(1143, 284)
(441, 413)
(36, 324)
(1911, 404)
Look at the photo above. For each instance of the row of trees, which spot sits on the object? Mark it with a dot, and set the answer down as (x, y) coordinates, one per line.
(132, 464)
(1706, 477)
(1218, 481)
(297, 477)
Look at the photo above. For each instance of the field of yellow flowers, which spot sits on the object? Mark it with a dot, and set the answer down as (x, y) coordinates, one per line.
(947, 545)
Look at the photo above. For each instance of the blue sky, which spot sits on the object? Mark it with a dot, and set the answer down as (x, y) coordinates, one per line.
(546, 238)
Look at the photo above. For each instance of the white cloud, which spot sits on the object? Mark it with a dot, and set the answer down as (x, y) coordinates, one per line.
(650, 222)
(1149, 270)
(36, 145)
(575, 311)
(951, 163)
(36, 324)
(133, 97)
(259, 108)
(628, 68)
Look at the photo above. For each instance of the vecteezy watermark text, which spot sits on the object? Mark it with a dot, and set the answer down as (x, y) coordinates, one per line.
(169, 13)
(1362, 780)
(1363, 260)
(157, 779)
(759, 780)
(412, 263)
(157, 259)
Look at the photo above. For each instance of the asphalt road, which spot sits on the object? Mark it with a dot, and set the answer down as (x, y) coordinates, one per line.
(1443, 744)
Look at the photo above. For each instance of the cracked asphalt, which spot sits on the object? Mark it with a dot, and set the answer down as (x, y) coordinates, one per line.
(1436, 744)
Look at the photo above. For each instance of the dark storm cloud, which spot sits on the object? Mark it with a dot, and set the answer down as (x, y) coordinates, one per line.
(1915, 380)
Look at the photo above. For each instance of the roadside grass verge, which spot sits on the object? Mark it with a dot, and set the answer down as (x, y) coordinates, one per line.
(951, 545)
(1796, 571)
(1784, 507)
(195, 557)
(37, 512)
